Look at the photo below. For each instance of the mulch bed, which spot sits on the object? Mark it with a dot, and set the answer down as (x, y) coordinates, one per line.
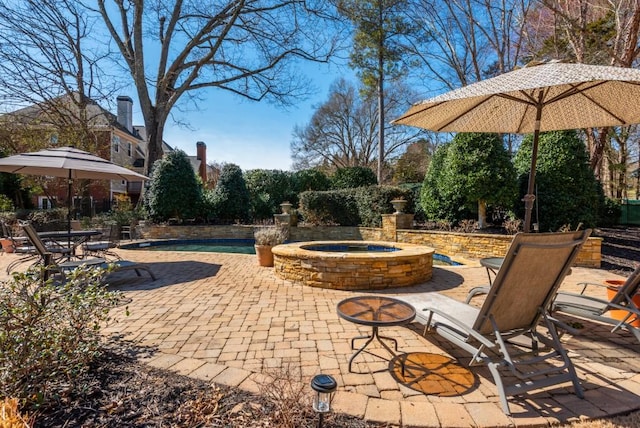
(120, 392)
(620, 248)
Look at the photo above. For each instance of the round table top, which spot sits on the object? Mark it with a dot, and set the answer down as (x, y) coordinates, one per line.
(376, 311)
(60, 234)
(492, 262)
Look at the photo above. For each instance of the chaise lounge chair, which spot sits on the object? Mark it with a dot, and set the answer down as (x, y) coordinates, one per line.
(532, 271)
(61, 268)
(103, 246)
(593, 308)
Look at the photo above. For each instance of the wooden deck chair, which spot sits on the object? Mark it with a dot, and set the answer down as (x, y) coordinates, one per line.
(593, 308)
(533, 269)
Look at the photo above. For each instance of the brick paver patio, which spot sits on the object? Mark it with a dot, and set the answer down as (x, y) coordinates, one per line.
(222, 318)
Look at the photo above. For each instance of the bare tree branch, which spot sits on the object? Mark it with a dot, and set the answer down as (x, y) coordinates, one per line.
(247, 47)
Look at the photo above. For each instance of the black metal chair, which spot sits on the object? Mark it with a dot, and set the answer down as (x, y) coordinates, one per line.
(103, 247)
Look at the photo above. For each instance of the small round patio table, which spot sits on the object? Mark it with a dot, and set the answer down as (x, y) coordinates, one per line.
(376, 312)
(492, 264)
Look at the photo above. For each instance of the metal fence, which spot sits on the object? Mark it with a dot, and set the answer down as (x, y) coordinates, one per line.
(630, 212)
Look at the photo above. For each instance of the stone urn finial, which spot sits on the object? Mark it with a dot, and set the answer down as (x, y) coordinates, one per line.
(286, 207)
(398, 205)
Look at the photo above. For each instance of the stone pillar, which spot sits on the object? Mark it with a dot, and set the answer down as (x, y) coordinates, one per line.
(392, 222)
(282, 219)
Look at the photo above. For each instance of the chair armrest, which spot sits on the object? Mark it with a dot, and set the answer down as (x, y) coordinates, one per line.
(476, 291)
(588, 284)
(457, 324)
(564, 326)
(609, 304)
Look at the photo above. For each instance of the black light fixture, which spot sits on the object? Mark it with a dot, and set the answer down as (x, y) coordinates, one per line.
(324, 386)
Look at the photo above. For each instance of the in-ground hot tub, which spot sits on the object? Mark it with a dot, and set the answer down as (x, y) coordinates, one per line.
(353, 265)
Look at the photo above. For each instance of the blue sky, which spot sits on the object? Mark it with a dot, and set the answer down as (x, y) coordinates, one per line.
(247, 133)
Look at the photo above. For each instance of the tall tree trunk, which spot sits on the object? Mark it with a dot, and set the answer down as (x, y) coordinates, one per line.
(482, 214)
(598, 143)
(380, 98)
(154, 128)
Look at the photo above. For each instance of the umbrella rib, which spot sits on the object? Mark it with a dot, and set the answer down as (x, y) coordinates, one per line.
(577, 90)
(484, 100)
(427, 108)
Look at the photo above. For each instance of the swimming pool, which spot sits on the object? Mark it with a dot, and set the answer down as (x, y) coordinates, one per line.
(234, 246)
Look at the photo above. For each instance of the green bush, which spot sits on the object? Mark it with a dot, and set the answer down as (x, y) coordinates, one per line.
(229, 201)
(352, 207)
(175, 191)
(352, 177)
(415, 206)
(267, 190)
(53, 219)
(6, 204)
(376, 200)
(309, 179)
(49, 333)
(611, 213)
(567, 191)
(468, 175)
(333, 207)
(438, 202)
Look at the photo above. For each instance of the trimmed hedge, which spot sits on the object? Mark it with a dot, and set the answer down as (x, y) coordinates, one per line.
(351, 207)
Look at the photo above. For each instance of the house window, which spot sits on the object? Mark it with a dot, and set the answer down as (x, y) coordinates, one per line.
(53, 139)
(116, 143)
(129, 149)
(45, 203)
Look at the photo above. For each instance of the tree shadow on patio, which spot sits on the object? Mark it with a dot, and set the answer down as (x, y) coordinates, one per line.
(165, 273)
(441, 280)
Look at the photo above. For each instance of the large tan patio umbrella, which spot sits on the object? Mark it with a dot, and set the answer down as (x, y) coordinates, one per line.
(70, 163)
(536, 98)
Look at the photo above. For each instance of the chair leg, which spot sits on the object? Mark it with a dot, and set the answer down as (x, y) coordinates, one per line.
(494, 369)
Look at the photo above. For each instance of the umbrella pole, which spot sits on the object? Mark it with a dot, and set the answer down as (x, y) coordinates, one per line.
(530, 197)
(69, 209)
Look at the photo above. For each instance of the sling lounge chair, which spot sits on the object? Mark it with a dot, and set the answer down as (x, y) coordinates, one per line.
(593, 308)
(63, 267)
(532, 271)
(103, 247)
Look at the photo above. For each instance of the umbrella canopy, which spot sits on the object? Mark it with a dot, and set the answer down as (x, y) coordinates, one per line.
(67, 162)
(537, 98)
(70, 163)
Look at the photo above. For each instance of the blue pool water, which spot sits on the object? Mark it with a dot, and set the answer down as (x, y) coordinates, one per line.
(237, 246)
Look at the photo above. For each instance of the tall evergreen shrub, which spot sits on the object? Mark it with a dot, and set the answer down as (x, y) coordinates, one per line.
(352, 177)
(567, 192)
(230, 200)
(175, 191)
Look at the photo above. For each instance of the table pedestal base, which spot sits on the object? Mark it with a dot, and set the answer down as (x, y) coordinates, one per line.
(374, 335)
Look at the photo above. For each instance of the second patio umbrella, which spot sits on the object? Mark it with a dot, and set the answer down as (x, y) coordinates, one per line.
(532, 99)
(70, 163)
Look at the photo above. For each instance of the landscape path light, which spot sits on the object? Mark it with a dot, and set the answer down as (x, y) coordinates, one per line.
(323, 386)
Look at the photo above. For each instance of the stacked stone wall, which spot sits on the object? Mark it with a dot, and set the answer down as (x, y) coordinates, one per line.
(452, 244)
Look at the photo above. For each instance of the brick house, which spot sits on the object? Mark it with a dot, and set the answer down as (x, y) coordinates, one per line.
(110, 136)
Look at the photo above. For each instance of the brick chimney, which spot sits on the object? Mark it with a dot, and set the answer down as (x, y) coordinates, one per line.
(201, 155)
(125, 112)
